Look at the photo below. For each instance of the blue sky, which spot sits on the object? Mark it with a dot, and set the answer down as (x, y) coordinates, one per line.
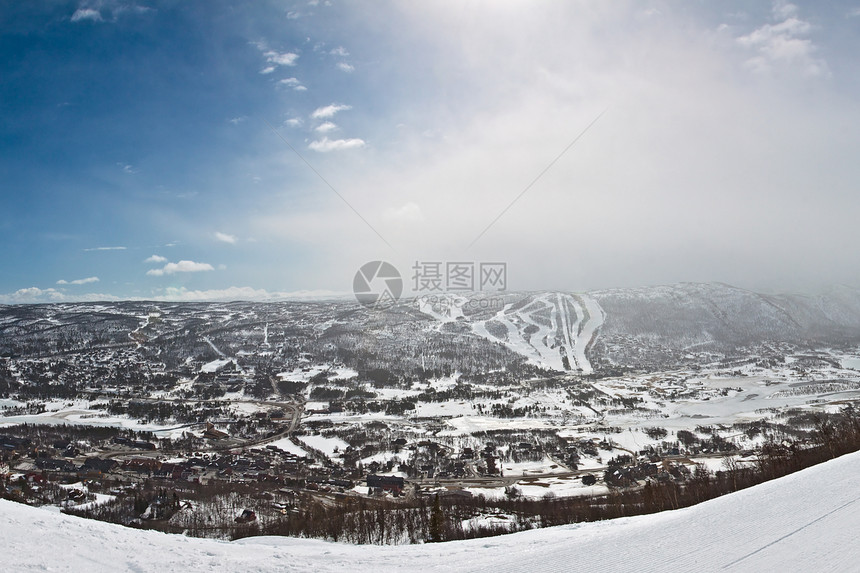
(137, 158)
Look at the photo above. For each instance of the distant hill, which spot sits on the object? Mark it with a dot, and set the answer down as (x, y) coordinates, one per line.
(657, 327)
(671, 324)
(522, 334)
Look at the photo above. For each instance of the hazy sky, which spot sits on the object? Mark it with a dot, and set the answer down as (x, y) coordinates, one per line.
(137, 158)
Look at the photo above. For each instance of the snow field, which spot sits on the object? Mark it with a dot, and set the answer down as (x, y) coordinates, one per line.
(803, 522)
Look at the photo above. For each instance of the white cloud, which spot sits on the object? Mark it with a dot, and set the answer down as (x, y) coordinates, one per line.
(181, 267)
(87, 14)
(128, 168)
(344, 67)
(85, 281)
(329, 111)
(237, 120)
(274, 59)
(784, 10)
(281, 58)
(35, 295)
(407, 213)
(292, 83)
(326, 127)
(156, 259)
(325, 144)
(225, 238)
(784, 44)
(241, 293)
(294, 122)
(106, 249)
(91, 10)
(339, 51)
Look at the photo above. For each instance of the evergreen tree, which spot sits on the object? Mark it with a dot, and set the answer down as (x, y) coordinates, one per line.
(436, 521)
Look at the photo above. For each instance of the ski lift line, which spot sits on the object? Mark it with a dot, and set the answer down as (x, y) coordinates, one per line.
(535, 180)
(330, 186)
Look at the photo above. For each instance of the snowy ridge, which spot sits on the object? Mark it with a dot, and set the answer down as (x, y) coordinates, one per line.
(804, 522)
(551, 329)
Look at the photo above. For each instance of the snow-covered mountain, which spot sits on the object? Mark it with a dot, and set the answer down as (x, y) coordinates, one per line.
(649, 328)
(673, 324)
(652, 327)
(804, 522)
(550, 329)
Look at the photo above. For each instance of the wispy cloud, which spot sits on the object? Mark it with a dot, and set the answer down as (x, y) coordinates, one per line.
(85, 281)
(156, 259)
(339, 51)
(293, 122)
(128, 168)
(784, 44)
(181, 267)
(241, 293)
(106, 249)
(106, 10)
(35, 295)
(408, 213)
(326, 127)
(325, 144)
(274, 58)
(292, 83)
(329, 111)
(226, 238)
(83, 14)
(344, 67)
(280, 58)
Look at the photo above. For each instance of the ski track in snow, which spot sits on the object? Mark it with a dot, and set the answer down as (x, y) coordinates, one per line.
(574, 321)
(803, 522)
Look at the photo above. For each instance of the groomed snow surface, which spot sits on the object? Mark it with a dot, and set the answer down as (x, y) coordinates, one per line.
(804, 522)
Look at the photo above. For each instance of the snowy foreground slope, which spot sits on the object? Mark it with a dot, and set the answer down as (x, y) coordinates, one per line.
(804, 522)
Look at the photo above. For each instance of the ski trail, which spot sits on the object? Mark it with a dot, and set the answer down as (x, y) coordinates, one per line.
(564, 325)
(215, 348)
(563, 319)
(588, 332)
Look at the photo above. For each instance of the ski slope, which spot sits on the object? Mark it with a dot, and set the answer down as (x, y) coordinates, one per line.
(551, 327)
(804, 522)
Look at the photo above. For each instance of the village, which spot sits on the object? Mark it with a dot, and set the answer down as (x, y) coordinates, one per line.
(233, 420)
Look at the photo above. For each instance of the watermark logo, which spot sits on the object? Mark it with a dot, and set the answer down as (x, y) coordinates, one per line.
(438, 276)
(377, 284)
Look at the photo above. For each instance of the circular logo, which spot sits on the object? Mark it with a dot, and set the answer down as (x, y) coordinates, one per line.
(377, 284)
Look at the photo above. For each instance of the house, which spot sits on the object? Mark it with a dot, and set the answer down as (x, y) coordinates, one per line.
(247, 516)
(143, 445)
(141, 465)
(393, 484)
(57, 465)
(98, 465)
(213, 434)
